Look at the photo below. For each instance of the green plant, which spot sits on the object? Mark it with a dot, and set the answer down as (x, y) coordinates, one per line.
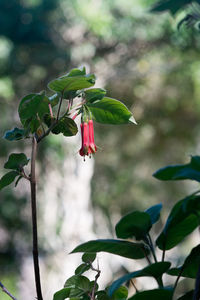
(41, 115)
(183, 219)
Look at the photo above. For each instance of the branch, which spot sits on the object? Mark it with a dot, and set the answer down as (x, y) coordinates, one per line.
(4, 289)
(34, 220)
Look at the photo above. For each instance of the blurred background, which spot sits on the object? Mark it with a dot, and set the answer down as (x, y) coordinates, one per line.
(139, 58)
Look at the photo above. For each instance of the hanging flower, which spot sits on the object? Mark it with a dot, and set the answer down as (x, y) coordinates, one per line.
(85, 150)
(92, 146)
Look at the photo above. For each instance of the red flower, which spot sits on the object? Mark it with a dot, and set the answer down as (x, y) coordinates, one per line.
(92, 146)
(88, 146)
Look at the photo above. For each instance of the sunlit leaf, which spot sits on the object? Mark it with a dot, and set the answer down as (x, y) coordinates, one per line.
(92, 95)
(110, 111)
(78, 285)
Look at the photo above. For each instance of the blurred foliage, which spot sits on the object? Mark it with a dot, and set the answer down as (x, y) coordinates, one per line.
(143, 60)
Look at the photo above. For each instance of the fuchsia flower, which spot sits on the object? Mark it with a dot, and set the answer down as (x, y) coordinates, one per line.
(88, 146)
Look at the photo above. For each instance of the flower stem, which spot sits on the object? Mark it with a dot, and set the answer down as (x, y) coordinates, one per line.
(34, 220)
(4, 289)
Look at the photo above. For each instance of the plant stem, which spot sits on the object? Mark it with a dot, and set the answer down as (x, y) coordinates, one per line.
(34, 220)
(60, 104)
(163, 255)
(4, 289)
(152, 247)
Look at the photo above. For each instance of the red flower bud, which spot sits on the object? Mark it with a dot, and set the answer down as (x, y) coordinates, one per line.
(92, 146)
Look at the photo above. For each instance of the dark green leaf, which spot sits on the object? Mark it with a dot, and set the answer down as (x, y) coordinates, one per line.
(78, 285)
(31, 108)
(66, 125)
(92, 286)
(88, 257)
(181, 172)
(118, 247)
(102, 295)
(110, 111)
(72, 83)
(156, 294)
(15, 134)
(81, 269)
(62, 294)
(170, 5)
(154, 212)
(92, 95)
(182, 220)
(120, 294)
(187, 296)
(154, 270)
(190, 266)
(135, 224)
(16, 161)
(8, 178)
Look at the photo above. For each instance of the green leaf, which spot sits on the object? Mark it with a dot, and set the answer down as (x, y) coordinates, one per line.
(118, 247)
(182, 220)
(14, 134)
(66, 125)
(154, 270)
(92, 95)
(8, 178)
(181, 172)
(190, 266)
(135, 224)
(157, 294)
(154, 212)
(81, 269)
(31, 108)
(170, 5)
(16, 161)
(62, 294)
(120, 294)
(72, 83)
(78, 285)
(76, 72)
(88, 257)
(110, 111)
(102, 295)
(187, 296)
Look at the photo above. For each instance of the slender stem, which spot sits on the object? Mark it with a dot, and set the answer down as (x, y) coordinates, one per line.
(4, 289)
(34, 220)
(133, 284)
(160, 282)
(163, 255)
(92, 295)
(152, 247)
(177, 279)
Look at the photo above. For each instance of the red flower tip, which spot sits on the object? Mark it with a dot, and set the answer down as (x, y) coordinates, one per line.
(88, 146)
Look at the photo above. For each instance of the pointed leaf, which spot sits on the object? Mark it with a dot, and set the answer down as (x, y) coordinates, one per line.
(154, 212)
(181, 172)
(118, 247)
(16, 161)
(76, 72)
(14, 134)
(154, 270)
(190, 266)
(157, 294)
(135, 224)
(182, 220)
(8, 178)
(92, 95)
(73, 83)
(62, 294)
(110, 111)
